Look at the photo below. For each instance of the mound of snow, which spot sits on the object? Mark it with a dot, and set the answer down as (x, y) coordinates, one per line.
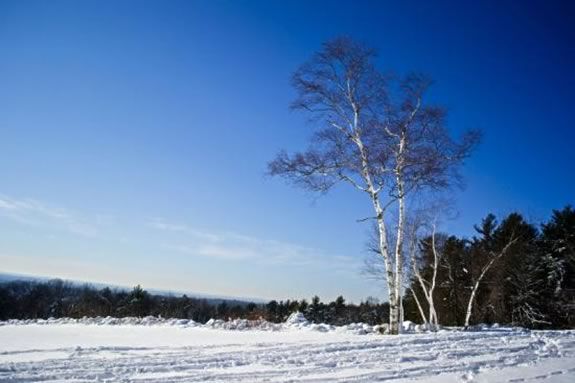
(296, 318)
(408, 326)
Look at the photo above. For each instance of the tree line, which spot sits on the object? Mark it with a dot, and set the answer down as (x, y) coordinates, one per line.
(511, 272)
(24, 299)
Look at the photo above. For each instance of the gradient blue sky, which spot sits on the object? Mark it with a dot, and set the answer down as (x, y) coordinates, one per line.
(134, 135)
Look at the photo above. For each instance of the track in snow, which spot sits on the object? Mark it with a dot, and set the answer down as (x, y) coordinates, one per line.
(71, 353)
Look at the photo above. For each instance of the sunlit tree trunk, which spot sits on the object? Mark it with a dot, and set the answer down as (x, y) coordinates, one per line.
(480, 278)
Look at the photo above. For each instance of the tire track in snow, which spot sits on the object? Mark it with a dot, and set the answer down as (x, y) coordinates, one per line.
(359, 359)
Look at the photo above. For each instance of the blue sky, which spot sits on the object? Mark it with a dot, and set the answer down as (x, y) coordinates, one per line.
(135, 134)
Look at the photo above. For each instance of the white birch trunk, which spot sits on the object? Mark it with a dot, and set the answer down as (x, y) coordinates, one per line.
(381, 227)
(400, 226)
(474, 292)
(421, 312)
(399, 259)
(481, 275)
(428, 288)
(434, 320)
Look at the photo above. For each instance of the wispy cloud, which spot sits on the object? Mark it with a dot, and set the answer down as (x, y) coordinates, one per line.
(31, 212)
(179, 238)
(236, 246)
(160, 224)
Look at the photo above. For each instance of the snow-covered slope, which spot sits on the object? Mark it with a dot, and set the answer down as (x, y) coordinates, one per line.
(181, 351)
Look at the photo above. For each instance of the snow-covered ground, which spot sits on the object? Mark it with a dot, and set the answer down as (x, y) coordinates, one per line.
(151, 350)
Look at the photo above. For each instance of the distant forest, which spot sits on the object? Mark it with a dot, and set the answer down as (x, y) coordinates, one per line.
(56, 298)
(531, 281)
(531, 284)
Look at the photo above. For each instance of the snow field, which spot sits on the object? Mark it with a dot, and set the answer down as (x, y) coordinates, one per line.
(296, 351)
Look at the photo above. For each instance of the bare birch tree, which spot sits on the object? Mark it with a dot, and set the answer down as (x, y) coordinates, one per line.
(493, 257)
(417, 246)
(376, 134)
